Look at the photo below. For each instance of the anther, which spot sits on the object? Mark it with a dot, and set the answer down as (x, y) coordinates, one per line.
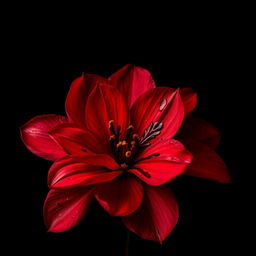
(124, 143)
(128, 154)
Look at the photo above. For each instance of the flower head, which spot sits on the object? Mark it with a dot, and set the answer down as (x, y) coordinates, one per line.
(117, 145)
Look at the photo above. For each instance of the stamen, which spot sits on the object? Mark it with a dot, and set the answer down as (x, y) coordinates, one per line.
(128, 132)
(145, 158)
(118, 133)
(124, 143)
(112, 142)
(111, 127)
(136, 138)
(146, 174)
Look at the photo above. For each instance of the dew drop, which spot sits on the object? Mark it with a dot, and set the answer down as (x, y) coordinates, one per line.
(162, 104)
(60, 215)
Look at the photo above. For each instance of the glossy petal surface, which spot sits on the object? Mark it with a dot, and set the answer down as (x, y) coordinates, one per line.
(172, 161)
(132, 81)
(160, 105)
(105, 104)
(121, 196)
(37, 139)
(64, 209)
(87, 170)
(156, 217)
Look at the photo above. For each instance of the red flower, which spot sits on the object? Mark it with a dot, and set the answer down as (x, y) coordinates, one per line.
(117, 145)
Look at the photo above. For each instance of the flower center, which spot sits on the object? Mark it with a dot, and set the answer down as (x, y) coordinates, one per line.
(127, 148)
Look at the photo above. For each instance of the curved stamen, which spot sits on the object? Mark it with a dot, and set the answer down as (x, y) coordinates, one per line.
(146, 174)
(145, 158)
(128, 132)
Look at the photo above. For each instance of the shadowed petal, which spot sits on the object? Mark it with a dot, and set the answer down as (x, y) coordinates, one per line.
(200, 130)
(132, 81)
(162, 105)
(86, 170)
(169, 159)
(121, 196)
(189, 98)
(36, 138)
(206, 163)
(157, 215)
(64, 209)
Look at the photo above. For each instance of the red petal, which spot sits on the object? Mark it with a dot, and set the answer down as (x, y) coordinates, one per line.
(77, 97)
(206, 163)
(171, 162)
(86, 170)
(64, 209)
(158, 105)
(132, 81)
(121, 196)
(157, 215)
(75, 140)
(104, 104)
(200, 130)
(189, 98)
(36, 138)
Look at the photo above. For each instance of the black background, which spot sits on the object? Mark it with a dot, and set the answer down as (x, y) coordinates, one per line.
(42, 64)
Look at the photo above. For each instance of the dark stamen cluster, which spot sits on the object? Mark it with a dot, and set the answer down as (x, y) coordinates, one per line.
(126, 149)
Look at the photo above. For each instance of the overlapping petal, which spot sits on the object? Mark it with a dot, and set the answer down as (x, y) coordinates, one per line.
(132, 81)
(157, 215)
(82, 171)
(77, 141)
(37, 139)
(200, 130)
(169, 159)
(105, 104)
(206, 163)
(158, 105)
(189, 98)
(64, 209)
(121, 196)
(78, 94)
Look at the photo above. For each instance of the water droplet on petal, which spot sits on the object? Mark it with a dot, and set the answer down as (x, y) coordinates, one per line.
(60, 215)
(162, 104)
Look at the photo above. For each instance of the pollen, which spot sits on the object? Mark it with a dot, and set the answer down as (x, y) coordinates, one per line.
(124, 143)
(128, 154)
(112, 137)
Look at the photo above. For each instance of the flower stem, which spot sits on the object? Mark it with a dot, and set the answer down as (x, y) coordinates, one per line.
(127, 242)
